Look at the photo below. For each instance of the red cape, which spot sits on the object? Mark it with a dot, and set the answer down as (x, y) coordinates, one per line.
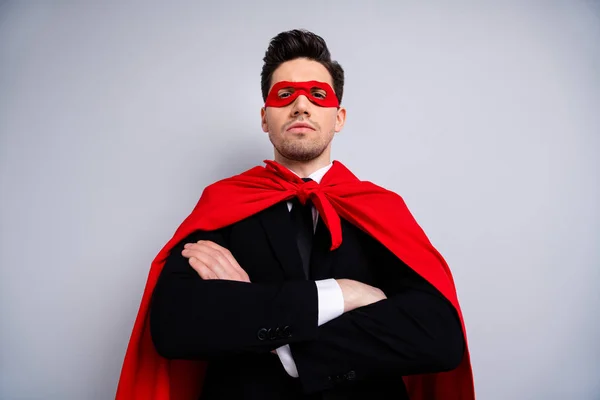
(381, 213)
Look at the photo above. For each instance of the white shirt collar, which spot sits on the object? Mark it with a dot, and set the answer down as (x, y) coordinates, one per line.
(318, 174)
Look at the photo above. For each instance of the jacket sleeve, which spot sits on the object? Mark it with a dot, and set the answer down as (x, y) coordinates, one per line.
(414, 331)
(192, 318)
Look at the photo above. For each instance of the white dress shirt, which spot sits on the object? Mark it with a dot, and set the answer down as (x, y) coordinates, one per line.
(330, 297)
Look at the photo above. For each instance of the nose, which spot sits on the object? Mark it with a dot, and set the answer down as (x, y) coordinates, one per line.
(301, 106)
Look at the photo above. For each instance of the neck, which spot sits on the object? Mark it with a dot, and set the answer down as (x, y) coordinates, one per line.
(304, 168)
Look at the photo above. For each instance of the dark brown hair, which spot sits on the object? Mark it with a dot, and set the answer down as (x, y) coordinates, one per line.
(299, 43)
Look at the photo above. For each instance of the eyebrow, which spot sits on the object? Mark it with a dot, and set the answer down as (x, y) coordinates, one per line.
(293, 88)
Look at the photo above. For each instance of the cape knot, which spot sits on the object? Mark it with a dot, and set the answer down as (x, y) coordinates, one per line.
(305, 190)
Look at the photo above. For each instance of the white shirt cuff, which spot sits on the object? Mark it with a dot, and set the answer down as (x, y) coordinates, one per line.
(331, 306)
(331, 300)
(285, 356)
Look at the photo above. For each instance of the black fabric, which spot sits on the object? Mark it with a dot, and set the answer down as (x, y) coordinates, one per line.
(303, 220)
(235, 325)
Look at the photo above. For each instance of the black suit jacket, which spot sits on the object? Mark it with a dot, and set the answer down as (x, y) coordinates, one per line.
(235, 325)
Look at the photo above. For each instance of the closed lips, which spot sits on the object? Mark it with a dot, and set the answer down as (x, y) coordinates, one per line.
(300, 125)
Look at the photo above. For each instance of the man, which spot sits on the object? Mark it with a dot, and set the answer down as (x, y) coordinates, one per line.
(297, 280)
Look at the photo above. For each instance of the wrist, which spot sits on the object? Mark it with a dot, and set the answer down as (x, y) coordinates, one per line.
(350, 293)
(357, 294)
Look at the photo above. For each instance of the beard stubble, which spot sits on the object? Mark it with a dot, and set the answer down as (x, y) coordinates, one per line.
(300, 147)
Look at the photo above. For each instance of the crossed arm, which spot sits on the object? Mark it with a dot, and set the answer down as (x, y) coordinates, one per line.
(212, 261)
(413, 331)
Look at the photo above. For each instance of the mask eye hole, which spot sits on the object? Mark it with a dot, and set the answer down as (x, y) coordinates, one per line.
(285, 93)
(318, 93)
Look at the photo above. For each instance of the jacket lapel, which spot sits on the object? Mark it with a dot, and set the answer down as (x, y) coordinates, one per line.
(277, 224)
(321, 257)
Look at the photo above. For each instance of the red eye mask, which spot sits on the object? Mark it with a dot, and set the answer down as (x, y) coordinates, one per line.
(284, 93)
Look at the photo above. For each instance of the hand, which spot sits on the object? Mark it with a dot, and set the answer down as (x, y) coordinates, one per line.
(212, 261)
(357, 294)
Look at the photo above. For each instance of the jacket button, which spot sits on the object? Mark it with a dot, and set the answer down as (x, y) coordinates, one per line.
(262, 334)
(287, 332)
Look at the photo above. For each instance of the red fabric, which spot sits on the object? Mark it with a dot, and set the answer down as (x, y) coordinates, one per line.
(381, 213)
(295, 89)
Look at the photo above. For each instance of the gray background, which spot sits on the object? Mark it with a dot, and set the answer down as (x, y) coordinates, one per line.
(484, 116)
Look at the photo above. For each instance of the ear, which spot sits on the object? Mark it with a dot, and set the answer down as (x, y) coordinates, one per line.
(263, 119)
(340, 119)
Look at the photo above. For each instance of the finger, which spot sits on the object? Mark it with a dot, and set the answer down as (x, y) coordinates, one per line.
(229, 257)
(214, 260)
(226, 261)
(211, 263)
(202, 270)
(225, 253)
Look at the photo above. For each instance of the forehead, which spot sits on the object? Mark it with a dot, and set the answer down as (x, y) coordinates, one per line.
(301, 70)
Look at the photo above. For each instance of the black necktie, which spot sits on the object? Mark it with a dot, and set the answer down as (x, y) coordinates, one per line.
(303, 219)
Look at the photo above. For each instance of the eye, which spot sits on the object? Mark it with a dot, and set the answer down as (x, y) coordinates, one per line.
(284, 93)
(319, 93)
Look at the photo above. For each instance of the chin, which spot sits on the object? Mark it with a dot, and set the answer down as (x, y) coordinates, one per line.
(298, 149)
(301, 156)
